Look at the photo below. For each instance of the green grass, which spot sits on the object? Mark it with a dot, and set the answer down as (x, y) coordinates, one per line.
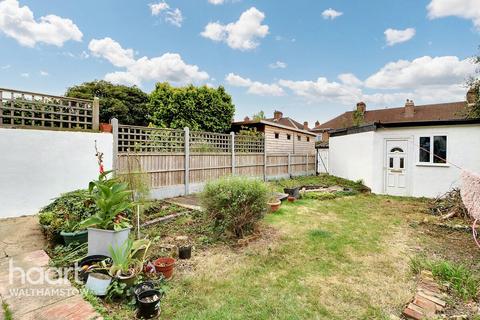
(329, 259)
(7, 313)
(463, 281)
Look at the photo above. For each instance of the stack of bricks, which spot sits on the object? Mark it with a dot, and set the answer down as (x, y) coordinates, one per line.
(428, 300)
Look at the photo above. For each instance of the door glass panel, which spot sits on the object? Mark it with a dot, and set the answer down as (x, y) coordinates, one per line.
(396, 149)
(402, 163)
(424, 155)
(391, 163)
(440, 149)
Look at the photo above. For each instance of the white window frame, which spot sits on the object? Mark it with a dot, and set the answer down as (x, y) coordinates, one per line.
(431, 154)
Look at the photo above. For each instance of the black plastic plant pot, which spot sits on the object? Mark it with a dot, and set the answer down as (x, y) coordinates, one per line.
(142, 287)
(149, 304)
(293, 192)
(89, 261)
(185, 252)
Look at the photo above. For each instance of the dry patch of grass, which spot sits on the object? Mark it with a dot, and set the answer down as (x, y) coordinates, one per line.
(334, 259)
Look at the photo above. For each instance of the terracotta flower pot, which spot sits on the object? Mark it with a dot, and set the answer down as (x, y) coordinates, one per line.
(291, 199)
(274, 206)
(165, 266)
(105, 127)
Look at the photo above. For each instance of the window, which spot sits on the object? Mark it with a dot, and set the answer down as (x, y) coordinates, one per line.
(277, 135)
(435, 152)
(396, 149)
(391, 163)
(308, 139)
(299, 138)
(289, 137)
(402, 163)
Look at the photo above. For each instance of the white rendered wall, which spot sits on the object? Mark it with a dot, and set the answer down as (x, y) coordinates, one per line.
(38, 165)
(351, 156)
(362, 156)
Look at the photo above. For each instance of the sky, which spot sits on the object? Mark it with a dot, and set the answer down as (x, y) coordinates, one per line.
(310, 59)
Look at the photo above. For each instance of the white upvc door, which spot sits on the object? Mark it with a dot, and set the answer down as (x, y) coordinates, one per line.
(396, 167)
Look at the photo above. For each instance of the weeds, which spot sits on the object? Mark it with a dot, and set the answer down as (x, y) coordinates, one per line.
(461, 279)
(7, 313)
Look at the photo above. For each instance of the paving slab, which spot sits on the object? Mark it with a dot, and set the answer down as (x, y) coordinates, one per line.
(20, 235)
(190, 202)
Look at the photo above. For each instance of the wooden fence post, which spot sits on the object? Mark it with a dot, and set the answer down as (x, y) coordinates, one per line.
(187, 160)
(96, 114)
(114, 122)
(232, 135)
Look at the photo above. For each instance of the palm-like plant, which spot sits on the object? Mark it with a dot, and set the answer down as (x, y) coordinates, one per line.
(112, 198)
(123, 261)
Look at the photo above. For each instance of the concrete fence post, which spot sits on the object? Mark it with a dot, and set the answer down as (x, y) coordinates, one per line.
(289, 164)
(232, 135)
(265, 157)
(306, 164)
(114, 122)
(96, 114)
(187, 160)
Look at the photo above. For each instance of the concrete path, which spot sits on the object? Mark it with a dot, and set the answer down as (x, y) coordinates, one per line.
(190, 202)
(22, 258)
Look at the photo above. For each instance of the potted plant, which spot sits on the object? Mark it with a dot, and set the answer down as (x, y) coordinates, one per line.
(274, 203)
(98, 283)
(140, 248)
(106, 127)
(124, 267)
(109, 226)
(71, 233)
(165, 265)
(92, 264)
(149, 304)
(293, 192)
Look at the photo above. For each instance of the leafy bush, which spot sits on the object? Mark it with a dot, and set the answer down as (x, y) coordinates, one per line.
(235, 204)
(65, 211)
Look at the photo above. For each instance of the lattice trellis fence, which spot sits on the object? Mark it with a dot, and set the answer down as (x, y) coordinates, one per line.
(30, 109)
(179, 162)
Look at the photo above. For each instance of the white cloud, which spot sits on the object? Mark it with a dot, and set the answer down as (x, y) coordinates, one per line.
(157, 8)
(254, 87)
(168, 67)
(423, 71)
(5, 67)
(216, 2)
(350, 79)
(278, 65)
(242, 34)
(172, 16)
(323, 90)
(25, 75)
(393, 36)
(466, 9)
(19, 23)
(44, 73)
(112, 51)
(331, 14)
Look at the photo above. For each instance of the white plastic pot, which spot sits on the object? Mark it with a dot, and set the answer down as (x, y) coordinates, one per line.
(99, 241)
(98, 283)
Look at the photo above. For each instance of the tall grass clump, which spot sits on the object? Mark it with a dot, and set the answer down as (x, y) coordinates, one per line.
(235, 204)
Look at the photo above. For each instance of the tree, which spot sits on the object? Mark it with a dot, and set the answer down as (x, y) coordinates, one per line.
(199, 108)
(474, 91)
(259, 116)
(127, 104)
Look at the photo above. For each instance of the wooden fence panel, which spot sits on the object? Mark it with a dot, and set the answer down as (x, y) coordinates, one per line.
(206, 167)
(249, 164)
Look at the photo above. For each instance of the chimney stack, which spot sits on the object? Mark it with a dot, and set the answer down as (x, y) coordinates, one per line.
(277, 115)
(472, 96)
(409, 109)
(246, 118)
(305, 126)
(361, 107)
(317, 124)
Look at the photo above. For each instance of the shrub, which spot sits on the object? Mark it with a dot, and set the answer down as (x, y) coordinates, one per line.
(70, 208)
(235, 204)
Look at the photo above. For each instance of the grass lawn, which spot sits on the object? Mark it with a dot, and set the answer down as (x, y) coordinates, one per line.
(345, 258)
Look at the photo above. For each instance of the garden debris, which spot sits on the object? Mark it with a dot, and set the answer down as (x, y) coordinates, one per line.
(429, 300)
(449, 205)
(163, 219)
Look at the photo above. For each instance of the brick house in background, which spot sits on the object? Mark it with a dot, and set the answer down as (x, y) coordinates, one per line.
(282, 134)
(408, 113)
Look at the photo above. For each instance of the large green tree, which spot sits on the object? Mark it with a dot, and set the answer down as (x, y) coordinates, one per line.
(127, 104)
(199, 108)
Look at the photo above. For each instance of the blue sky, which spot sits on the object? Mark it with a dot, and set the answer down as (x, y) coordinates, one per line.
(310, 59)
